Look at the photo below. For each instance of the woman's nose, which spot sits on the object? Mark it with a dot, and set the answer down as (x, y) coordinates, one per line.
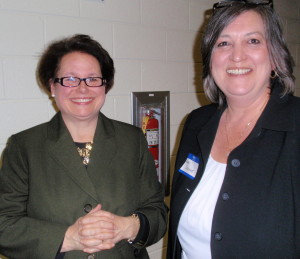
(82, 87)
(238, 53)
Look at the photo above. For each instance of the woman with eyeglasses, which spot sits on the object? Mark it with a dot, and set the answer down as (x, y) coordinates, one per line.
(236, 186)
(81, 185)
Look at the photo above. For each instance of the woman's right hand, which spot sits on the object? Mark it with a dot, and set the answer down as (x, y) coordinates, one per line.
(90, 233)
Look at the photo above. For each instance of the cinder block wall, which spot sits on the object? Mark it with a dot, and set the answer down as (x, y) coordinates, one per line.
(154, 43)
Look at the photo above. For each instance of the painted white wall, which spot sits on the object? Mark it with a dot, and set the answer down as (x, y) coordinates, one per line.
(154, 43)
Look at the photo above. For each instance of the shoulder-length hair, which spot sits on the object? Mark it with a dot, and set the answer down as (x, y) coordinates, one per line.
(278, 51)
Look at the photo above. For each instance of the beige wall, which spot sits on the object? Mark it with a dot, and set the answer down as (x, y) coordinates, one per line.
(154, 44)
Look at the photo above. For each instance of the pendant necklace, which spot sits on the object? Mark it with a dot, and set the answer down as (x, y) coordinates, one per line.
(234, 144)
(85, 152)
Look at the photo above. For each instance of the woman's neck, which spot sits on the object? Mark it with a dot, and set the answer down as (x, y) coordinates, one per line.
(244, 109)
(236, 123)
(81, 130)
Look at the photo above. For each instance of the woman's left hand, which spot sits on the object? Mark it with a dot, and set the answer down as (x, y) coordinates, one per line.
(96, 227)
(125, 228)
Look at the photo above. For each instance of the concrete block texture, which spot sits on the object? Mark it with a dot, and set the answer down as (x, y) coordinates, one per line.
(155, 45)
(21, 33)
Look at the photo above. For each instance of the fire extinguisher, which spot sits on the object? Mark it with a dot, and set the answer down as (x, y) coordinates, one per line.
(150, 128)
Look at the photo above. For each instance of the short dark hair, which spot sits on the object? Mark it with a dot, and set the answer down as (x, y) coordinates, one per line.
(50, 60)
(277, 46)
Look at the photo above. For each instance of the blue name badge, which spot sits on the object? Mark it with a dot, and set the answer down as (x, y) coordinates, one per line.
(190, 166)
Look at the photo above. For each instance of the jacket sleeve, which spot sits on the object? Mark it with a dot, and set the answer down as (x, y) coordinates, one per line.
(37, 238)
(151, 196)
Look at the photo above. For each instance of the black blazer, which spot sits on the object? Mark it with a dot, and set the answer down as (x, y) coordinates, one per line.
(257, 214)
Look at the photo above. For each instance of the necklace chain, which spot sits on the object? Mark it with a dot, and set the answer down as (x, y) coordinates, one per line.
(85, 152)
(231, 146)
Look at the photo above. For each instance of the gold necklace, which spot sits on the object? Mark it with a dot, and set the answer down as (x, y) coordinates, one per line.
(235, 143)
(238, 141)
(85, 152)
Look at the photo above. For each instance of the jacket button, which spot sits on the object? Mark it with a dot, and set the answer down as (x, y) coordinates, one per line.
(91, 256)
(235, 163)
(87, 208)
(218, 236)
(225, 196)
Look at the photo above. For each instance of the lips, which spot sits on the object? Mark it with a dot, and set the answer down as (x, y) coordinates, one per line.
(238, 71)
(82, 100)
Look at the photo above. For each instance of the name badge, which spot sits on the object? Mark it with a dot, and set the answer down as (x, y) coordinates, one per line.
(190, 166)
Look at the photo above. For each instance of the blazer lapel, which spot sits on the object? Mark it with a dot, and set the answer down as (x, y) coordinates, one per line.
(62, 149)
(104, 149)
(186, 186)
(207, 135)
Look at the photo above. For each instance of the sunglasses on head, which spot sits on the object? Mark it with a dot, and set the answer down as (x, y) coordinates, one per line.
(224, 4)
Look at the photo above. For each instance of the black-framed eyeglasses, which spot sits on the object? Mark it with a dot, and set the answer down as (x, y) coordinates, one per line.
(73, 81)
(230, 3)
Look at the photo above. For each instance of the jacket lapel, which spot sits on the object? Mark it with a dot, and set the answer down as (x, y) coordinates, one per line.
(62, 149)
(207, 135)
(104, 149)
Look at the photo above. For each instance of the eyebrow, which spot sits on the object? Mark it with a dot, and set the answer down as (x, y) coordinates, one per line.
(247, 34)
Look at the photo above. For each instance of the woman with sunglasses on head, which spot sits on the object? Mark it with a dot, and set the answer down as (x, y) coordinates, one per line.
(81, 185)
(236, 186)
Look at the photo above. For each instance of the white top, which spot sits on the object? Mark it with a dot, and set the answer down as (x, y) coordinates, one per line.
(194, 228)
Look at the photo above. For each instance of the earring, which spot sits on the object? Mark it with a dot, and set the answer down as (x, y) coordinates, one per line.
(53, 95)
(274, 74)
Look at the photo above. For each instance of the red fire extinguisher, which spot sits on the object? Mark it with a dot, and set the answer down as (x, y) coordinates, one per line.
(150, 128)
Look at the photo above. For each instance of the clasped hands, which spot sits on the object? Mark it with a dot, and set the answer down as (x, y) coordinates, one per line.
(99, 230)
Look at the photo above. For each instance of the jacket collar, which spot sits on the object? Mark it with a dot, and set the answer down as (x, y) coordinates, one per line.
(279, 113)
(63, 151)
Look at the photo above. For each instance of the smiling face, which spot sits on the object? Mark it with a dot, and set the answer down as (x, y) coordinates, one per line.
(82, 102)
(240, 62)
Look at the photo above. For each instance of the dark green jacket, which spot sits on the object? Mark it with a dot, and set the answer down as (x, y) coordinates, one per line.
(44, 187)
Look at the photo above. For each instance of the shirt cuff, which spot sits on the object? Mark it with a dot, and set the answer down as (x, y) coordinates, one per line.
(143, 233)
